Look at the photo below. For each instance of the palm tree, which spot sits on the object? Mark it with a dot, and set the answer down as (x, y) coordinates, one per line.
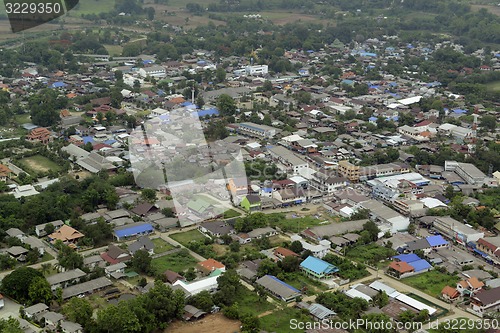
(46, 268)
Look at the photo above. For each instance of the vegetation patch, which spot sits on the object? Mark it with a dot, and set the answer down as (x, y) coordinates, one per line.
(185, 237)
(249, 303)
(39, 164)
(371, 254)
(279, 321)
(161, 245)
(431, 282)
(176, 262)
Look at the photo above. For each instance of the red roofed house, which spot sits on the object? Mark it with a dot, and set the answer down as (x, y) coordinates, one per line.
(449, 293)
(66, 234)
(210, 265)
(400, 268)
(282, 253)
(470, 286)
(5, 173)
(40, 134)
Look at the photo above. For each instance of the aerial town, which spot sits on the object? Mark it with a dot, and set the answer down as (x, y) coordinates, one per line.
(294, 189)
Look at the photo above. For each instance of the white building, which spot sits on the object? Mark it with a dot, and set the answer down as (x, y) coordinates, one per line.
(192, 288)
(259, 70)
(153, 71)
(319, 251)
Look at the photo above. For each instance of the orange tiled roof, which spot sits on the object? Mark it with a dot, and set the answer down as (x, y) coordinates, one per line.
(450, 292)
(66, 233)
(211, 264)
(401, 267)
(4, 170)
(475, 283)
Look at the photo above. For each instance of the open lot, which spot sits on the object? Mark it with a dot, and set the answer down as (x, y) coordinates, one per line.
(493, 86)
(185, 237)
(279, 321)
(39, 163)
(92, 7)
(431, 282)
(176, 262)
(213, 323)
(250, 303)
(161, 245)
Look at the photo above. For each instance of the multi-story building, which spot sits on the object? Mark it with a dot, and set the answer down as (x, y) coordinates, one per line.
(349, 170)
(291, 161)
(261, 131)
(153, 71)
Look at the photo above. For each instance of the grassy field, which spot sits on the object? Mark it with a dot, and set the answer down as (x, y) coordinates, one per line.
(297, 224)
(114, 50)
(22, 118)
(279, 321)
(371, 254)
(228, 214)
(431, 282)
(161, 245)
(493, 86)
(92, 7)
(185, 237)
(39, 163)
(176, 262)
(250, 303)
(299, 281)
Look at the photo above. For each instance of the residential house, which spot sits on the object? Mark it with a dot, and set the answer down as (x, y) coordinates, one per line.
(17, 252)
(210, 265)
(317, 311)
(173, 277)
(40, 229)
(35, 243)
(70, 327)
(66, 234)
(486, 301)
(15, 233)
(86, 288)
(400, 268)
(5, 173)
(278, 288)
(449, 293)
(318, 268)
(318, 250)
(192, 313)
(251, 203)
(116, 271)
(281, 253)
(216, 228)
(114, 255)
(92, 262)
(470, 286)
(34, 311)
(65, 279)
(142, 243)
(52, 319)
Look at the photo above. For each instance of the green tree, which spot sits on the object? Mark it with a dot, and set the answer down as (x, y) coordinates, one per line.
(69, 258)
(117, 318)
(141, 262)
(220, 75)
(202, 301)
(10, 325)
(17, 284)
(250, 324)
(229, 287)
(148, 194)
(78, 310)
(296, 246)
(488, 122)
(39, 291)
(226, 105)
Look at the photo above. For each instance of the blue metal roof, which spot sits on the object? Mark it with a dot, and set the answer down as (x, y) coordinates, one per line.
(318, 266)
(210, 112)
(58, 84)
(87, 139)
(283, 283)
(459, 111)
(407, 258)
(134, 230)
(420, 265)
(436, 240)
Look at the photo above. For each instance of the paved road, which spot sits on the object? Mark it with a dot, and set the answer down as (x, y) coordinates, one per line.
(11, 309)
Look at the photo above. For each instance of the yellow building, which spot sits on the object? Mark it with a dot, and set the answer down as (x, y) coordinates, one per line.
(349, 170)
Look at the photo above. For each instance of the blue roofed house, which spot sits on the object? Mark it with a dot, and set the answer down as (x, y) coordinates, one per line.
(318, 268)
(132, 230)
(436, 241)
(278, 288)
(418, 264)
